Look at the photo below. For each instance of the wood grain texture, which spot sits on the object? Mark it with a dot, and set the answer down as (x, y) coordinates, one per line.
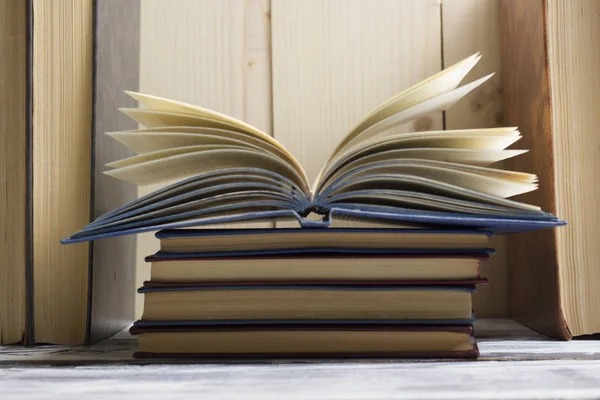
(574, 61)
(62, 96)
(13, 162)
(532, 259)
(212, 53)
(333, 61)
(471, 26)
(563, 379)
(117, 69)
(551, 369)
(498, 339)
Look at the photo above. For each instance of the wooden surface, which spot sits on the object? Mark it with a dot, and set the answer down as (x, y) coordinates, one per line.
(333, 61)
(561, 379)
(470, 26)
(117, 68)
(498, 339)
(533, 274)
(211, 53)
(62, 104)
(13, 161)
(574, 62)
(515, 363)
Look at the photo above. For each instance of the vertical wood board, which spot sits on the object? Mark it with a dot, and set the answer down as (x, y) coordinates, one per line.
(117, 69)
(471, 26)
(334, 61)
(211, 53)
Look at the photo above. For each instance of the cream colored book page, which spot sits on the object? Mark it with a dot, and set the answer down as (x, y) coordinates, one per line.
(61, 143)
(181, 166)
(484, 139)
(442, 82)
(475, 157)
(470, 26)
(13, 174)
(499, 186)
(211, 53)
(156, 119)
(150, 140)
(172, 120)
(439, 102)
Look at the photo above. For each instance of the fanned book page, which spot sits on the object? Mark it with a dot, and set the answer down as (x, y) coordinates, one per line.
(228, 171)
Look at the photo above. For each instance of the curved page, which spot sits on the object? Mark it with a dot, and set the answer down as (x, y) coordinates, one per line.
(379, 177)
(190, 164)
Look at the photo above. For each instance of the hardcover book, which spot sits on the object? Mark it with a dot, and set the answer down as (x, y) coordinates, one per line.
(60, 86)
(216, 169)
(306, 341)
(551, 89)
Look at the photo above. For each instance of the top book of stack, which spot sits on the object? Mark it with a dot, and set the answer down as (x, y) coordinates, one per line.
(228, 171)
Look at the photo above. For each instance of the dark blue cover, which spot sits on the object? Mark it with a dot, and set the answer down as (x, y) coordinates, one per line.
(301, 323)
(169, 233)
(161, 255)
(386, 215)
(376, 288)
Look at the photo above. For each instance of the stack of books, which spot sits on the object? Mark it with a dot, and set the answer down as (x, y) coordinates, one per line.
(311, 293)
(317, 290)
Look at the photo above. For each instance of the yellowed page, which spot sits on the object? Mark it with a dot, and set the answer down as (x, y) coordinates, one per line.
(161, 154)
(148, 140)
(161, 103)
(426, 185)
(488, 184)
(476, 157)
(164, 118)
(190, 164)
(491, 139)
(425, 201)
(437, 84)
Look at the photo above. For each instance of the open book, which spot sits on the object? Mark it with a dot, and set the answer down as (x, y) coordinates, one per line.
(225, 170)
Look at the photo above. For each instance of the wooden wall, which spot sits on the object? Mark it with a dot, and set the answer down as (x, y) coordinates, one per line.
(305, 71)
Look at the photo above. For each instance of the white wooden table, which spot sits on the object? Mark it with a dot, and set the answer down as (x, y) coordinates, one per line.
(515, 363)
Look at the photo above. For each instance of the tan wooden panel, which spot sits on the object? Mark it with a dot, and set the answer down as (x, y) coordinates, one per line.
(211, 53)
(333, 61)
(470, 26)
(117, 68)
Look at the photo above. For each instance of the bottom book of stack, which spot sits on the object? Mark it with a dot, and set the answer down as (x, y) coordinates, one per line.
(310, 293)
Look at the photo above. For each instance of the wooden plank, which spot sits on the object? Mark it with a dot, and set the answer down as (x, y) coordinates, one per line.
(117, 68)
(470, 26)
(560, 370)
(211, 53)
(533, 259)
(498, 339)
(333, 61)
